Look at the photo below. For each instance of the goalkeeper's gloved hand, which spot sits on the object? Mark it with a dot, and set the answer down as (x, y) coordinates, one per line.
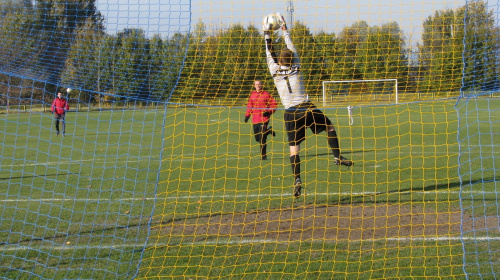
(246, 118)
(281, 20)
(266, 114)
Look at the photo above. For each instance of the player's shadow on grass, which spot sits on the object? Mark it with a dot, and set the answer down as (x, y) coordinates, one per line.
(79, 232)
(362, 198)
(451, 185)
(36, 176)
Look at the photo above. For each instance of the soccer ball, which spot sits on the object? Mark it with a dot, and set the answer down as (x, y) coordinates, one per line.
(68, 90)
(272, 22)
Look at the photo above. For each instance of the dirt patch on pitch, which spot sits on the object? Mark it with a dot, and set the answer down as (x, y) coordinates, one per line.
(316, 222)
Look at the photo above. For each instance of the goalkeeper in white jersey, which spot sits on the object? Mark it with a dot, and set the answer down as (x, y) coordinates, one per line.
(300, 113)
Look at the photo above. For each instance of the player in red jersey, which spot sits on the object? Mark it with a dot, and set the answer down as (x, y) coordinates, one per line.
(59, 108)
(261, 105)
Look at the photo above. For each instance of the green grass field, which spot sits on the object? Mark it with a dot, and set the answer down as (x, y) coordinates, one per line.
(79, 207)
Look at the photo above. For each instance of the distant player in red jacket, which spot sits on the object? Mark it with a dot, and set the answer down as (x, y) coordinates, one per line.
(261, 105)
(59, 108)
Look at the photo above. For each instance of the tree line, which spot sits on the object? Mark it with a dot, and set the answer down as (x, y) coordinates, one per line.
(46, 44)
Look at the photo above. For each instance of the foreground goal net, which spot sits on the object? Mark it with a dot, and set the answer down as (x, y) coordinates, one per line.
(157, 170)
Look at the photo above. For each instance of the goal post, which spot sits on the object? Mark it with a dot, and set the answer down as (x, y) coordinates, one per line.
(360, 91)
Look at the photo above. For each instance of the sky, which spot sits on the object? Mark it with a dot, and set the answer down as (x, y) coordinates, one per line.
(169, 16)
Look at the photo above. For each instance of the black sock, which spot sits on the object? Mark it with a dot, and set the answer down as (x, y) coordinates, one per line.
(295, 162)
(333, 142)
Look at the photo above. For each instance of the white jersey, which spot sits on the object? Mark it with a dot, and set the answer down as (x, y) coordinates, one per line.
(287, 80)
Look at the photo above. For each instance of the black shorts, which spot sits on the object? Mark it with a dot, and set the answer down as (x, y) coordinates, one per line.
(300, 117)
(258, 130)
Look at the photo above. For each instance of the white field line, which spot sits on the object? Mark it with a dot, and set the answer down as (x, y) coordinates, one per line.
(229, 156)
(253, 241)
(186, 157)
(242, 196)
(98, 159)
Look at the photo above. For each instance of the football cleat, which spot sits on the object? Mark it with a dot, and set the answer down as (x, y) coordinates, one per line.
(297, 187)
(343, 161)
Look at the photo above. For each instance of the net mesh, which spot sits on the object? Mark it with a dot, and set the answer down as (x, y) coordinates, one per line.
(157, 174)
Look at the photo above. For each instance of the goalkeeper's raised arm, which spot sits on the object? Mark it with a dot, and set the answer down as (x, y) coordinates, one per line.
(291, 47)
(272, 61)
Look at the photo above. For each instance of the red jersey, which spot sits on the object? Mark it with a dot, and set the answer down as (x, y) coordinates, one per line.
(258, 103)
(60, 106)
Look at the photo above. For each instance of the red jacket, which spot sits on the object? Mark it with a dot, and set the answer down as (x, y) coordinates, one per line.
(60, 106)
(258, 103)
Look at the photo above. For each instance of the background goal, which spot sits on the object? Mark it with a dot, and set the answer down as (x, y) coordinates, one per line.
(158, 175)
(360, 92)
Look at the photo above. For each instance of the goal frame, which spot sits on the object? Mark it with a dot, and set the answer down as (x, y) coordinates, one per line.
(360, 81)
